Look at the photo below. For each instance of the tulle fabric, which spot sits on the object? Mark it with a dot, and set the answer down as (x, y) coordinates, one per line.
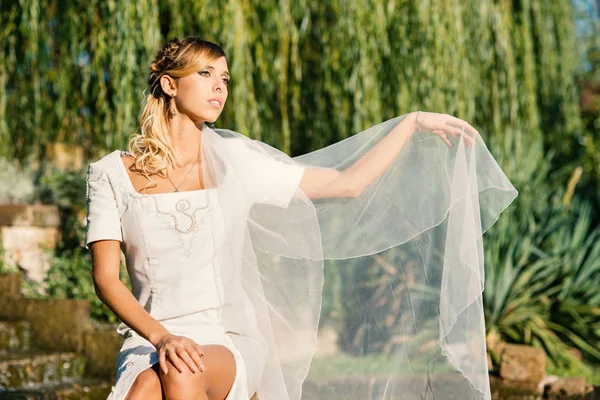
(410, 243)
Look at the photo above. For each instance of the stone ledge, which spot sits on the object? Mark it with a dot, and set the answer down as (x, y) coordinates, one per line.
(56, 324)
(101, 345)
(26, 246)
(569, 388)
(10, 285)
(62, 325)
(513, 390)
(37, 215)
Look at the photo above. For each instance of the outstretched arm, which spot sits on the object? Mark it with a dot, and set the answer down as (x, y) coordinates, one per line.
(324, 182)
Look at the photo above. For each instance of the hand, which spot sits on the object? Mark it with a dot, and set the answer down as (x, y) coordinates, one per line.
(181, 351)
(444, 125)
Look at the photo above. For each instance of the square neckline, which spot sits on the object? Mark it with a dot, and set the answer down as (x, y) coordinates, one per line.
(131, 188)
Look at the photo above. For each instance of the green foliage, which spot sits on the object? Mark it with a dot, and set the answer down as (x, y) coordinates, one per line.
(17, 183)
(66, 190)
(6, 268)
(304, 74)
(542, 262)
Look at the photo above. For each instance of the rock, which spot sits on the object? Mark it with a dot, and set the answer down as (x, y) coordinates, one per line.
(57, 324)
(102, 344)
(591, 393)
(26, 232)
(549, 379)
(26, 246)
(33, 215)
(522, 363)
(513, 390)
(566, 388)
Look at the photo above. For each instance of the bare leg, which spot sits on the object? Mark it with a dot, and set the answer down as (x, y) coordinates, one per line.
(212, 384)
(146, 386)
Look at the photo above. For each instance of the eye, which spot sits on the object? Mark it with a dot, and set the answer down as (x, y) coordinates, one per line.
(204, 73)
(226, 81)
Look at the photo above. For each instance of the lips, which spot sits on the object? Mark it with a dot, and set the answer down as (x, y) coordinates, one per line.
(218, 103)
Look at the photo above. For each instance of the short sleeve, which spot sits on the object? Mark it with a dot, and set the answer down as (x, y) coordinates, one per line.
(103, 219)
(271, 181)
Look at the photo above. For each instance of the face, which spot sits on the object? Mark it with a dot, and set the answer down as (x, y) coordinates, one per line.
(202, 95)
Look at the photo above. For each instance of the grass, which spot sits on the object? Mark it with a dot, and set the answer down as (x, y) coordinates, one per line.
(344, 365)
(582, 370)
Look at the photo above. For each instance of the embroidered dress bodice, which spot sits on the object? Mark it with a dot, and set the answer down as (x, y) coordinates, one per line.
(167, 240)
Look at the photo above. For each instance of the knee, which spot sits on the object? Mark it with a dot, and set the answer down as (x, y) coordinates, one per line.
(183, 385)
(146, 386)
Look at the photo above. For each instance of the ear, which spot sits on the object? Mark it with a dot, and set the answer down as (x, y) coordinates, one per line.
(168, 85)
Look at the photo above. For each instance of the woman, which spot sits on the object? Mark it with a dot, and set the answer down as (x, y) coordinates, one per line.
(225, 240)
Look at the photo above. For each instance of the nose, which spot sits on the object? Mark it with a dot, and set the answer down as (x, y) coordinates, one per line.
(219, 85)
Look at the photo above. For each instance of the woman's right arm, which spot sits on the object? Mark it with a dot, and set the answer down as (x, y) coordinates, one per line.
(116, 296)
(103, 237)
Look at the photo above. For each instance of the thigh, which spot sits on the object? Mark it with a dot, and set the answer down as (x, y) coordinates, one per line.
(213, 384)
(146, 386)
(220, 371)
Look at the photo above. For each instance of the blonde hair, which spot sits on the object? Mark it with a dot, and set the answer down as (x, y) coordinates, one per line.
(153, 147)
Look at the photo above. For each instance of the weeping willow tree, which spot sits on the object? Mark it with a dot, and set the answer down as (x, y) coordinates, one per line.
(305, 73)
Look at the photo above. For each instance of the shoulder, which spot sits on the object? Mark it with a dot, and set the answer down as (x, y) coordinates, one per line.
(106, 165)
(106, 176)
(234, 147)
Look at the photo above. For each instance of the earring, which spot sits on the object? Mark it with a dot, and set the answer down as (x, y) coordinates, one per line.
(172, 109)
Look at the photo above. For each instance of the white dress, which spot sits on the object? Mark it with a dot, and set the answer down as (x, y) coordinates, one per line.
(169, 241)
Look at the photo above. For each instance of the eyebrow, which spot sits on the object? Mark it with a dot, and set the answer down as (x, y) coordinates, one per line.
(213, 68)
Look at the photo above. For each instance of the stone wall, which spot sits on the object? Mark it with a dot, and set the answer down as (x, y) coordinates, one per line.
(62, 325)
(522, 375)
(26, 232)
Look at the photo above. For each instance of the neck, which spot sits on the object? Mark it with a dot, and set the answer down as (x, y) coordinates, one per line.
(186, 135)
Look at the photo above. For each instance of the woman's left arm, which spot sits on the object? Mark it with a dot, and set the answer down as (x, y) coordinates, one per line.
(351, 182)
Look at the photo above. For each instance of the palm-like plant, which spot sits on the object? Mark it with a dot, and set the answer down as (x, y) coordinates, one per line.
(542, 267)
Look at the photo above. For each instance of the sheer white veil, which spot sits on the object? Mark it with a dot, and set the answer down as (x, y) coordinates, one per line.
(410, 243)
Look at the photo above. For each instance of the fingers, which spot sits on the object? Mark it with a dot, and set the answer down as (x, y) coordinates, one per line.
(445, 124)
(457, 122)
(457, 133)
(187, 359)
(200, 353)
(442, 134)
(181, 354)
(162, 361)
(195, 355)
(451, 130)
(198, 349)
(175, 360)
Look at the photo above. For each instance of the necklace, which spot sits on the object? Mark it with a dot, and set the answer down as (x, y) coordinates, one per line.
(188, 174)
